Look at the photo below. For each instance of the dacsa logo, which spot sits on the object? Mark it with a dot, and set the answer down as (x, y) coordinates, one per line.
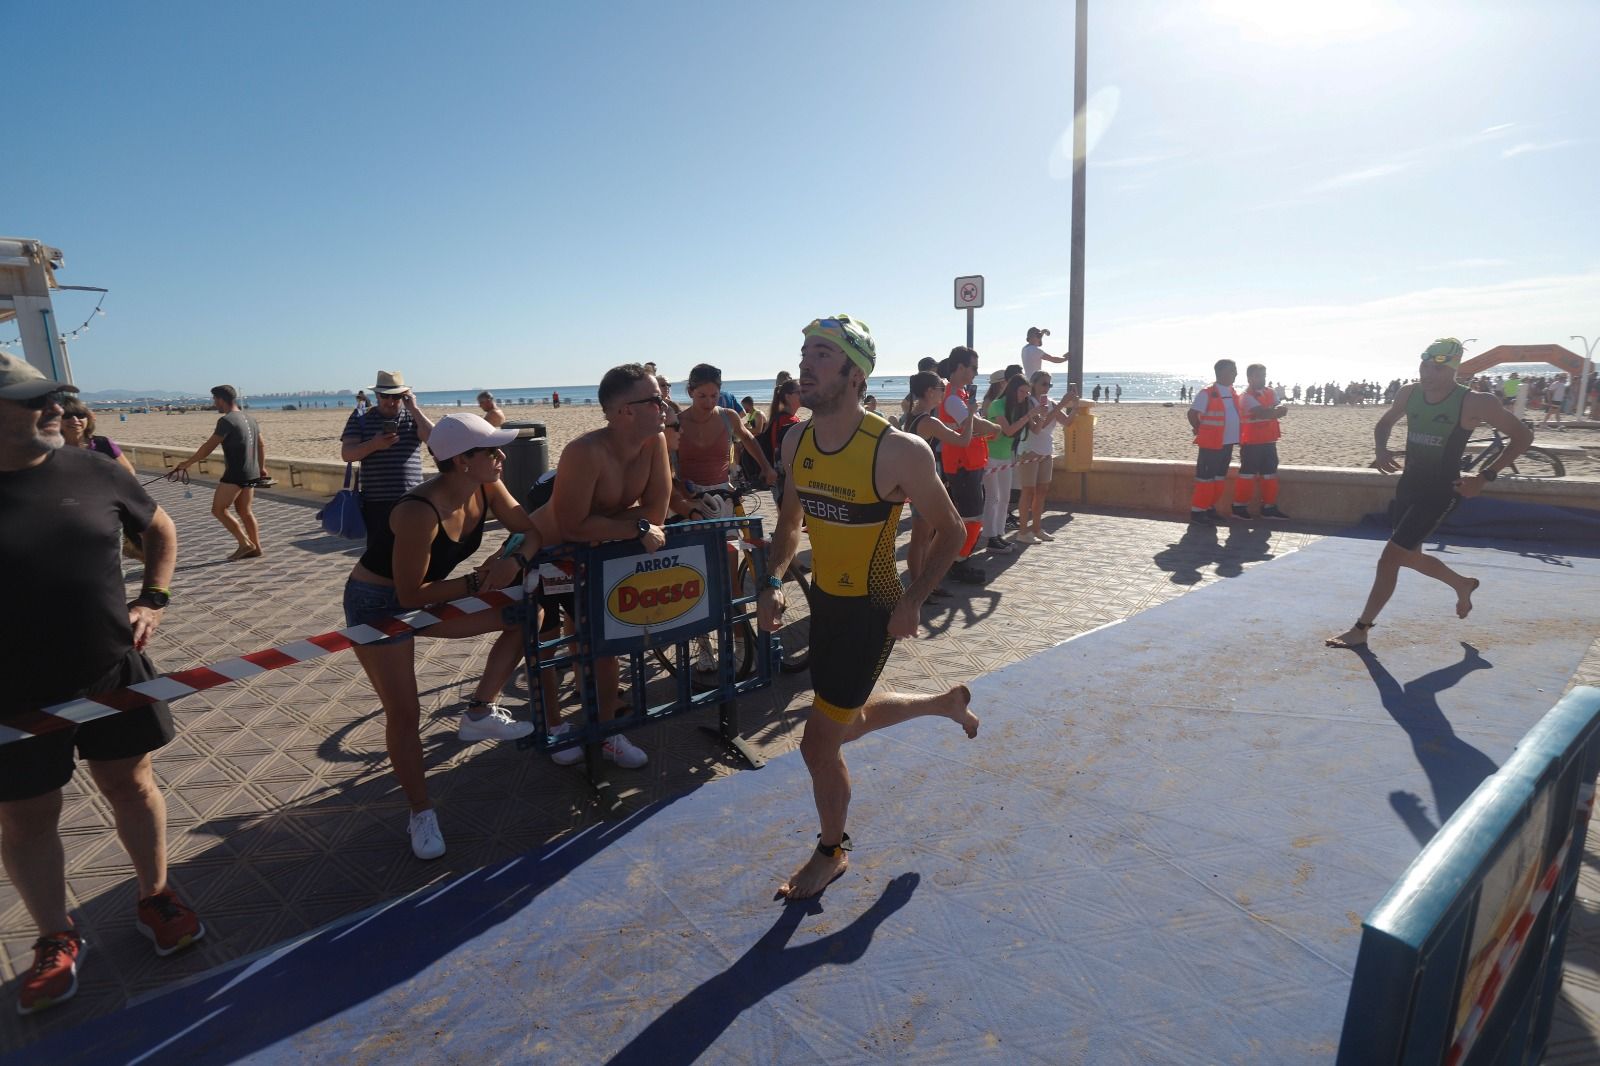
(654, 596)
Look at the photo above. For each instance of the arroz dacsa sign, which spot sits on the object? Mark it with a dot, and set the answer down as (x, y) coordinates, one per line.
(656, 594)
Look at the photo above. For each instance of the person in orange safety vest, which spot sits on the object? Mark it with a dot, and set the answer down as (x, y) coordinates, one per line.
(1258, 447)
(1215, 415)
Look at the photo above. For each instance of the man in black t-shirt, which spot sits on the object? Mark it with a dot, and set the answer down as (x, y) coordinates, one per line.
(244, 460)
(387, 441)
(69, 633)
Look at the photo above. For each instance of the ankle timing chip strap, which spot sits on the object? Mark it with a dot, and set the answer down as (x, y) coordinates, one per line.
(830, 850)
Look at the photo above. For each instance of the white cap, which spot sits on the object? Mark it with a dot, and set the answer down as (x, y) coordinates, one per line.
(454, 434)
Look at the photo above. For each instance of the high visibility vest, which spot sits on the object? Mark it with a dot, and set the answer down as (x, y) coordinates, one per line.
(955, 458)
(1214, 419)
(1263, 430)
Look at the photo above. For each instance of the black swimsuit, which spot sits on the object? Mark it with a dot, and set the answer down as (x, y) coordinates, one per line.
(444, 554)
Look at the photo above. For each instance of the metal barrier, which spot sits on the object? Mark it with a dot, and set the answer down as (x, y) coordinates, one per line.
(635, 604)
(1461, 961)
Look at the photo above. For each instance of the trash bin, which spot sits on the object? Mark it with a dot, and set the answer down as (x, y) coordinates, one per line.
(1080, 439)
(527, 458)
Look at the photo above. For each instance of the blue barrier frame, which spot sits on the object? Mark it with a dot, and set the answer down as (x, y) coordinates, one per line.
(1429, 948)
(588, 563)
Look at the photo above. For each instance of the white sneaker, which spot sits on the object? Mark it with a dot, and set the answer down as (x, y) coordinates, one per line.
(426, 840)
(566, 756)
(496, 725)
(622, 751)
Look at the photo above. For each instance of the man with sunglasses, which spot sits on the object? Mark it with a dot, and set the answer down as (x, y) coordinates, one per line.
(71, 632)
(614, 483)
(1440, 416)
(387, 441)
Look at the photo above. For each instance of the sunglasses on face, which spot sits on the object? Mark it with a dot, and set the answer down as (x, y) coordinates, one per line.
(79, 416)
(1440, 360)
(39, 403)
(661, 404)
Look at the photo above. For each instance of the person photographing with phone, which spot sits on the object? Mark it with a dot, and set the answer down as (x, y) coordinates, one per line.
(386, 439)
(408, 563)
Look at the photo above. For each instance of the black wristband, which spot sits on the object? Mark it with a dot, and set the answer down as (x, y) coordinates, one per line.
(1488, 475)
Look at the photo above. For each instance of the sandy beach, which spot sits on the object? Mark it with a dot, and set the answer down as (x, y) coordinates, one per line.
(1312, 436)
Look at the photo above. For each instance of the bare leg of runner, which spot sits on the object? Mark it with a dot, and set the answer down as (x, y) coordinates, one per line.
(1383, 583)
(830, 777)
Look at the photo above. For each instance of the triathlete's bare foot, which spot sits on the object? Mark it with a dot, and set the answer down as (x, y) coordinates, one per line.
(960, 713)
(814, 875)
(1464, 599)
(1354, 637)
(244, 551)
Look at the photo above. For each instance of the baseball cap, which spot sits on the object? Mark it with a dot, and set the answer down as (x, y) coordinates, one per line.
(851, 335)
(454, 434)
(1446, 351)
(21, 380)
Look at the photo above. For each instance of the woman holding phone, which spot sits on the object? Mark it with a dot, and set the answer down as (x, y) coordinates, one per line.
(432, 530)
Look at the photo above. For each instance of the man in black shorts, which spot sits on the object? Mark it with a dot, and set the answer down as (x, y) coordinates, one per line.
(70, 632)
(850, 472)
(1440, 415)
(244, 459)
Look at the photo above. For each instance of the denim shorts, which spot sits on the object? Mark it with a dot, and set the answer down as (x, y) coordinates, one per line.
(366, 603)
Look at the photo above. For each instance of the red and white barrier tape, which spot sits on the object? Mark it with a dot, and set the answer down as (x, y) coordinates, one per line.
(198, 679)
(1512, 948)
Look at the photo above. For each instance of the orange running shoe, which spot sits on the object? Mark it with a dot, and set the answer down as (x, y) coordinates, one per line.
(54, 976)
(168, 923)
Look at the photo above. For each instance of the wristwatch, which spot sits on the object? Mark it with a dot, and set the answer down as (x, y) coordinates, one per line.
(155, 599)
(644, 527)
(773, 581)
(1488, 475)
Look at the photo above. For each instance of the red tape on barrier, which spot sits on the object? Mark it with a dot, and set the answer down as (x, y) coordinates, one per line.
(180, 683)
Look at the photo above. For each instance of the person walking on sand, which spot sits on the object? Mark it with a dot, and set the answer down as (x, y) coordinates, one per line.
(244, 461)
(1440, 415)
(849, 474)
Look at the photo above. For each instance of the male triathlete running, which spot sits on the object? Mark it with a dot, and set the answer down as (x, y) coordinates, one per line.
(849, 473)
(1440, 415)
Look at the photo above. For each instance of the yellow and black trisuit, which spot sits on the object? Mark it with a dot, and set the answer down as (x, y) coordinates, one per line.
(854, 583)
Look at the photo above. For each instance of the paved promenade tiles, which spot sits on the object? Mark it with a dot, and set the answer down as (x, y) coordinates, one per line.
(282, 814)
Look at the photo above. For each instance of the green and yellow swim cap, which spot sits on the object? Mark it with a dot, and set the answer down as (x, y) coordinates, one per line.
(1446, 351)
(852, 337)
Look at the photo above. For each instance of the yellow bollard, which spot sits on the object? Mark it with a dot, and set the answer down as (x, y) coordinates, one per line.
(1080, 439)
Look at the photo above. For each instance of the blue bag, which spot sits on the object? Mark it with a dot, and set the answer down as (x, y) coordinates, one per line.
(341, 515)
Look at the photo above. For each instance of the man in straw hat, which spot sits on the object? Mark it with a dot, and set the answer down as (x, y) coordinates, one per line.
(387, 441)
(1440, 415)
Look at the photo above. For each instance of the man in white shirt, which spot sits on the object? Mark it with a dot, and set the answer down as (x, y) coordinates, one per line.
(1033, 356)
(1215, 416)
(1555, 399)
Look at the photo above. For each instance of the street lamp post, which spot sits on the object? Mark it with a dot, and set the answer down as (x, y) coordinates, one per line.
(1583, 371)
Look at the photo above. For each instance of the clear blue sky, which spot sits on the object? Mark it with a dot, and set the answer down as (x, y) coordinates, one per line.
(293, 195)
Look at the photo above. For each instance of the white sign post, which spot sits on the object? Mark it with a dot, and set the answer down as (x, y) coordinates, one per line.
(969, 297)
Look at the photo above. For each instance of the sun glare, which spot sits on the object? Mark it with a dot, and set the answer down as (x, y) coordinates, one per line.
(1286, 22)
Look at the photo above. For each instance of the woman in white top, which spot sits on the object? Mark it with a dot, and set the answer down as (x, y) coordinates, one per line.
(1033, 478)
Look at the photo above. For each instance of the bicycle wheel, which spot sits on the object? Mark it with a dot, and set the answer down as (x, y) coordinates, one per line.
(795, 636)
(1536, 462)
(704, 656)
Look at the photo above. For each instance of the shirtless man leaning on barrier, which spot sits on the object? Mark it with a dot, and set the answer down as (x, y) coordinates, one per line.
(849, 474)
(613, 483)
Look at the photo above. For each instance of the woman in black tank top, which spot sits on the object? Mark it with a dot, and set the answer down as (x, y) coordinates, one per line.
(433, 530)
